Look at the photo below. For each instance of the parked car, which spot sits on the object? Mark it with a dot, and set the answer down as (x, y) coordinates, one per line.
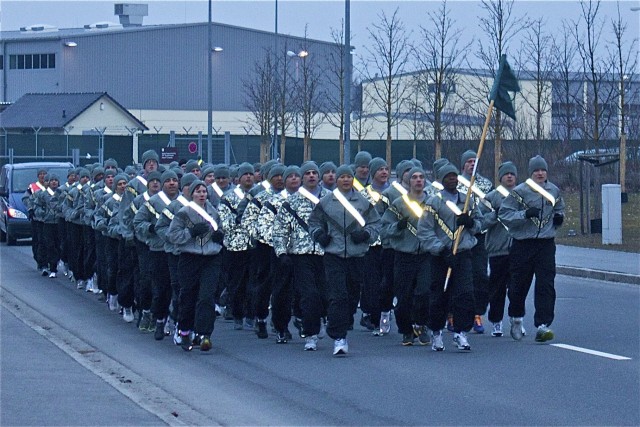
(14, 180)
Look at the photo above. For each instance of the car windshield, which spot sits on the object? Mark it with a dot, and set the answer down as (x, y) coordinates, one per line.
(23, 177)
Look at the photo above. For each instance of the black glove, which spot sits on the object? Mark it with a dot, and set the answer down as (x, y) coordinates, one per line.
(532, 212)
(360, 236)
(152, 228)
(217, 236)
(30, 215)
(449, 258)
(199, 229)
(402, 224)
(558, 220)
(321, 237)
(285, 260)
(464, 220)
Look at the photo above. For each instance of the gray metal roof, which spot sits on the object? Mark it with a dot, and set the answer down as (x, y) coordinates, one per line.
(53, 110)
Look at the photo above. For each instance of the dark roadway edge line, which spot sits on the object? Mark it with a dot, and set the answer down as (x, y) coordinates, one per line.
(139, 390)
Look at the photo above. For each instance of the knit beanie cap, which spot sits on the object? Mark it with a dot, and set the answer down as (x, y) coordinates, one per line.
(536, 163)
(446, 170)
(130, 169)
(344, 170)
(275, 170)
(375, 164)
(415, 169)
(291, 170)
(438, 164)
(309, 166)
(187, 179)
(505, 168)
(97, 171)
(118, 178)
(166, 175)
(222, 171)
(110, 163)
(191, 165)
(149, 155)
(402, 168)
(83, 172)
(327, 167)
(245, 168)
(154, 175)
(362, 158)
(207, 170)
(469, 154)
(266, 167)
(195, 184)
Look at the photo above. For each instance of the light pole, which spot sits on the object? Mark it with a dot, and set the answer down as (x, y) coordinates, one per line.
(209, 86)
(347, 82)
(297, 56)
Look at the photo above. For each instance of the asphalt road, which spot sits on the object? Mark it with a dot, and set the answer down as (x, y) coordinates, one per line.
(67, 360)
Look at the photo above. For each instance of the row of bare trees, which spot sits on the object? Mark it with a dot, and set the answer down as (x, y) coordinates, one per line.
(415, 82)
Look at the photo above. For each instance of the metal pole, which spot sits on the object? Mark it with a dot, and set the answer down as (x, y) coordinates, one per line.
(274, 147)
(347, 81)
(209, 87)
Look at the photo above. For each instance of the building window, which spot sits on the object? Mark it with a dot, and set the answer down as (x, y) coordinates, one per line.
(32, 61)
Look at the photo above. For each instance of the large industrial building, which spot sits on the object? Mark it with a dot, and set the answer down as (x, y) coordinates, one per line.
(159, 73)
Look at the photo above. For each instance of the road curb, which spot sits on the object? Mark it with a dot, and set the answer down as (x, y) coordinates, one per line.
(609, 276)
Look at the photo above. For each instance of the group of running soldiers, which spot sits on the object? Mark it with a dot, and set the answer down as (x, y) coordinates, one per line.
(173, 247)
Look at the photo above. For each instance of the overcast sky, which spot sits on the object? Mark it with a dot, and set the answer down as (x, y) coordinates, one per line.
(318, 16)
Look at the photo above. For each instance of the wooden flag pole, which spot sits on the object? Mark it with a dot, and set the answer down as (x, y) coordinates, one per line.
(471, 182)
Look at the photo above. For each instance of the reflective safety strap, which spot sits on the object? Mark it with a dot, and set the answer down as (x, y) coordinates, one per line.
(349, 207)
(307, 194)
(203, 214)
(538, 189)
(217, 189)
(239, 193)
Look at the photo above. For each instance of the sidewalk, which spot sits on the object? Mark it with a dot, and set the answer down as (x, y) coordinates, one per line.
(614, 266)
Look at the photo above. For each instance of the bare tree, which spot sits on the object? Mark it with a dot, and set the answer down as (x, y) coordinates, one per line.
(415, 114)
(284, 95)
(335, 97)
(625, 59)
(388, 57)
(259, 93)
(500, 26)
(566, 91)
(440, 54)
(587, 32)
(310, 96)
(536, 57)
(361, 124)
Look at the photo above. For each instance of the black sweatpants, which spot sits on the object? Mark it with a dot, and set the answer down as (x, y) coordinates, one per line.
(370, 288)
(90, 246)
(412, 275)
(238, 297)
(458, 297)
(528, 258)
(480, 262)
(498, 284)
(49, 246)
(36, 236)
(101, 260)
(198, 275)
(281, 295)
(264, 262)
(310, 285)
(63, 240)
(127, 272)
(112, 265)
(76, 250)
(174, 300)
(143, 292)
(160, 284)
(344, 278)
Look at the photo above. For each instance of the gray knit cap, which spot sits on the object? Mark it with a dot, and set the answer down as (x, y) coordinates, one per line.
(344, 170)
(167, 175)
(309, 166)
(275, 170)
(222, 171)
(291, 170)
(149, 155)
(327, 167)
(469, 154)
(446, 170)
(362, 158)
(505, 168)
(187, 179)
(376, 164)
(536, 163)
(245, 168)
(154, 175)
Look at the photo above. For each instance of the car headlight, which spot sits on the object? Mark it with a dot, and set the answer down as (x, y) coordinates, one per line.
(15, 213)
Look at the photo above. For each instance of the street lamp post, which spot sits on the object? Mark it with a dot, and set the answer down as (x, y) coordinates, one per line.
(297, 56)
(347, 82)
(209, 87)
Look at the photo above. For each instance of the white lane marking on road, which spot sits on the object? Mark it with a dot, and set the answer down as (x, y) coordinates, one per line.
(592, 352)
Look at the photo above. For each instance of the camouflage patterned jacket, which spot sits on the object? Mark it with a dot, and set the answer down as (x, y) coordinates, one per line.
(483, 184)
(267, 216)
(290, 229)
(236, 236)
(252, 213)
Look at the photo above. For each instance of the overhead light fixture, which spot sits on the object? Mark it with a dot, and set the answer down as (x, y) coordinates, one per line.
(300, 54)
(70, 44)
(218, 49)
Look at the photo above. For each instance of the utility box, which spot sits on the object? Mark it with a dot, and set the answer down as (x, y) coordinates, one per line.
(611, 215)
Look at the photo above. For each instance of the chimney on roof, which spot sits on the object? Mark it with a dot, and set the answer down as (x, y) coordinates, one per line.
(131, 14)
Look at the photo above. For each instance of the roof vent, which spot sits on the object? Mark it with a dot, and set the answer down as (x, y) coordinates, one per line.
(105, 25)
(38, 28)
(131, 14)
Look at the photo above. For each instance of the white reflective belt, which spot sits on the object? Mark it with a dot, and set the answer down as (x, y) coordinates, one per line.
(117, 197)
(183, 200)
(503, 191)
(357, 184)
(79, 186)
(308, 195)
(265, 184)
(164, 198)
(217, 189)
(544, 193)
(239, 193)
(454, 208)
(50, 191)
(349, 207)
(399, 187)
(107, 190)
(203, 214)
(40, 185)
(284, 193)
(142, 180)
(146, 196)
(464, 181)
(413, 206)
(373, 193)
(437, 185)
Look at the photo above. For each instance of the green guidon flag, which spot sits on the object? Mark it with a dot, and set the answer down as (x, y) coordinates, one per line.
(504, 83)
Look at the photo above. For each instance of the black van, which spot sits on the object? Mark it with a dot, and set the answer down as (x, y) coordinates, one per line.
(14, 180)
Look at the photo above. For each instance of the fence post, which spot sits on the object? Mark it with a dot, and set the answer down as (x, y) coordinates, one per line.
(227, 147)
(200, 147)
(75, 156)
